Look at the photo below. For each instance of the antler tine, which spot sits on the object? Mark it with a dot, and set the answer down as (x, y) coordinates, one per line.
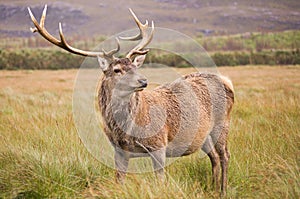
(113, 51)
(146, 38)
(139, 24)
(40, 27)
(42, 21)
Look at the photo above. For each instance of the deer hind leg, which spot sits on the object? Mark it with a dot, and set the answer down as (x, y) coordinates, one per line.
(121, 164)
(209, 148)
(222, 150)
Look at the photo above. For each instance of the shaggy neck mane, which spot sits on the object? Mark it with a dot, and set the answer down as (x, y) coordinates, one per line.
(117, 112)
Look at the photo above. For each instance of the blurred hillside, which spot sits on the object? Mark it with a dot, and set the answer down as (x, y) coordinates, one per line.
(193, 17)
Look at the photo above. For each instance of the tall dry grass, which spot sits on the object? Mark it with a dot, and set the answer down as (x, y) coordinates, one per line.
(41, 155)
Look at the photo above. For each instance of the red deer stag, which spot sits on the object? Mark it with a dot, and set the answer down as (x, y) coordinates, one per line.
(172, 120)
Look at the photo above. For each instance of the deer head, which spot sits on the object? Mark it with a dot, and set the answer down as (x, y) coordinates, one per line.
(122, 75)
(121, 72)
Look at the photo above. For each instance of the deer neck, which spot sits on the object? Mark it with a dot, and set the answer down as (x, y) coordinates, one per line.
(111, 99)
(117, 111)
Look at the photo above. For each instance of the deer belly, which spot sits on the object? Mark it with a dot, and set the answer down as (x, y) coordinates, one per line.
(186, 144)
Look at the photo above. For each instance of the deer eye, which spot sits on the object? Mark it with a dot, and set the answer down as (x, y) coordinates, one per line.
(117, 70)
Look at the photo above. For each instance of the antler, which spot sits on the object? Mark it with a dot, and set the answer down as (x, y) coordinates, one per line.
(143, 35)
(39, 27)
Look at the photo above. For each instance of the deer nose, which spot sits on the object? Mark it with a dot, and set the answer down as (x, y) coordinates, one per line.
(143, 82)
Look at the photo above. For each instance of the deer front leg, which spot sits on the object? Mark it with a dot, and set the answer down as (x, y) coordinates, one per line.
(121, 164)
(158, 158)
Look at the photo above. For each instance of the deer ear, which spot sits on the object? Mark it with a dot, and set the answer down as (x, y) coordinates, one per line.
(103, 63)
(139, 60)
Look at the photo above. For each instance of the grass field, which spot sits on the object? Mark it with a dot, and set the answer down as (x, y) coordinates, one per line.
(41, 155)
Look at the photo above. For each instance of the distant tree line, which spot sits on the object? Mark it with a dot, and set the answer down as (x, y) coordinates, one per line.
(57, 59)
(243, 49)
(279, 57)
(38, 59)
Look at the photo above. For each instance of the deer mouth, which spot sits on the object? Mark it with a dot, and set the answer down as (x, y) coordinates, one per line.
(143, 84)
(140, 88)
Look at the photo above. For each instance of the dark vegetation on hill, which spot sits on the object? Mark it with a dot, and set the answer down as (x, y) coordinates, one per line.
(255, 49)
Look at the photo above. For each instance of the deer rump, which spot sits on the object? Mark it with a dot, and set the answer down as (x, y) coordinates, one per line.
(177, 116)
